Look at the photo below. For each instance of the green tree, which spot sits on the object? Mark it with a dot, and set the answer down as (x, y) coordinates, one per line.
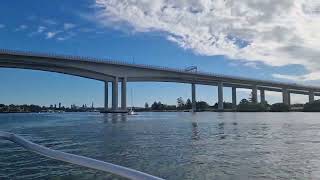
(201, 105)
(180, 103)
(226, 105)
(312, 106)
(155, 106)
(146, 105)
(244, 101)
(279, 107)
(247, 106)
(188, 104)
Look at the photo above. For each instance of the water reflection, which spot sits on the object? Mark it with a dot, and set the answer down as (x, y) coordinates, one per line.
(220, 116)
(195, 131)
(221, 131)
(115, 118)
(124, 117)
(221, 127)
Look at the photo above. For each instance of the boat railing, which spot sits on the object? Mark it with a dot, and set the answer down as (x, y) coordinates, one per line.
(76, 159)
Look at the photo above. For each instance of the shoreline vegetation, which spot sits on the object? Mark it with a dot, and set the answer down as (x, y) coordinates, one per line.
(182, 106)
(245, 105)
(43, 109)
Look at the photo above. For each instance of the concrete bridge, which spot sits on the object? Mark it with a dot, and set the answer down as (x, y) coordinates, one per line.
(119, 72)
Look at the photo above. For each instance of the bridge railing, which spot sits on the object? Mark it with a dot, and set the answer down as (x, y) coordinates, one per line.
(118, 62)
(78, 160)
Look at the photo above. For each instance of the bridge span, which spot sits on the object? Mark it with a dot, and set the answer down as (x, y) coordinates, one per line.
(118, 72)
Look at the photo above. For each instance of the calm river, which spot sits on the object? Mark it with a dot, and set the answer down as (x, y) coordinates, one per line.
(170, 145)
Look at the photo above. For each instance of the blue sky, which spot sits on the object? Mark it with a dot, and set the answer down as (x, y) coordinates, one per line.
(84, 29)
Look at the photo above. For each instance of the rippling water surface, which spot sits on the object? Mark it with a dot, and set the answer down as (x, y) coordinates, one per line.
(169, 145)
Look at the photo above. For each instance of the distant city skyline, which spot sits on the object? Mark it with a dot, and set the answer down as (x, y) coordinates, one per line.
(95, 29)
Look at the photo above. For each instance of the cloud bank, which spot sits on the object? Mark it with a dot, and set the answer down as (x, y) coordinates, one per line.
(274, 32)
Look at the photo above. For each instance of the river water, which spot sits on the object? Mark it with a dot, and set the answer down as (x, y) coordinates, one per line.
(173, 146)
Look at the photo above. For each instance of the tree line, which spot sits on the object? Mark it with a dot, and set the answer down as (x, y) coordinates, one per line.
(249, 106)
(36, 108)
(181, 105)
(245, 105)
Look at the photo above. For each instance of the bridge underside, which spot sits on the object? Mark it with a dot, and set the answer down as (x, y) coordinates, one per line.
(115, 81)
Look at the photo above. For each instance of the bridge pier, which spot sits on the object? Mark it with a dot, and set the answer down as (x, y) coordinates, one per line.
(124, 94)
(262, 96)
(193, 94)
(115, 94)
(285, 96)
(254, 94)
(220, 96)
(106, 96)
(234, 98)
(311, 96)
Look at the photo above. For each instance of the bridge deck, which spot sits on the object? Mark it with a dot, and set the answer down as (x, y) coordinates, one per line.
(227, 78)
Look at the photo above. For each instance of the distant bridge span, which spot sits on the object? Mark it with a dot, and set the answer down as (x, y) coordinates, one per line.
(120, 72)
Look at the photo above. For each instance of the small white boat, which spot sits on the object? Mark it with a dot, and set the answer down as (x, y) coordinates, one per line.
(131, 111)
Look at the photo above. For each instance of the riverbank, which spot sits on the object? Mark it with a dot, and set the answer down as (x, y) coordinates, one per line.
(139, 110)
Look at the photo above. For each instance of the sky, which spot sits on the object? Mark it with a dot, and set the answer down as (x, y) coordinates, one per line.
(271, 40)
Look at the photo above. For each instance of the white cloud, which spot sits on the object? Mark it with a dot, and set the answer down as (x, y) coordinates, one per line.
(21, 28)
(61, 38)
(41, 29)
(252, 65)
(306, 77)
(68, 26)
(51, 34)
(287, 77)
(50, 22)
(274, 32)
(86, 30)
(66, 36)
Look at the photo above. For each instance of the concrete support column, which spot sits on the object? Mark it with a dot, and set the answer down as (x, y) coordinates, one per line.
(220, 96)
(124, 94)
(115, 93)
(262, 96)
(234, 98)
(311, 96)
(193, 94)
(254, 94)
(285, 96)
(106, 95)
